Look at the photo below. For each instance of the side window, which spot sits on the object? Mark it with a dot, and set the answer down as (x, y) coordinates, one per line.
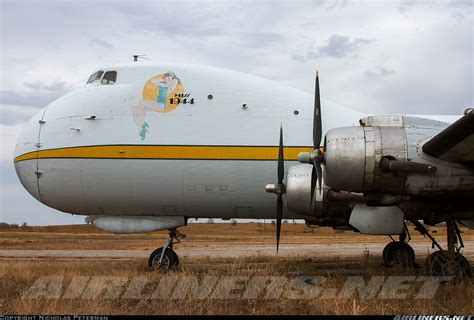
(109, 77)
(95, 76)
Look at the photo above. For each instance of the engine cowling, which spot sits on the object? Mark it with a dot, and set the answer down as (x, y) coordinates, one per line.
(353, 156)
(300, 198)
(323, 207)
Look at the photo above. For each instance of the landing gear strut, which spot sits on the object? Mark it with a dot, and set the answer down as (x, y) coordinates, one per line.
(165, 258)
(446, 263)
(451, 262)
(399, 252)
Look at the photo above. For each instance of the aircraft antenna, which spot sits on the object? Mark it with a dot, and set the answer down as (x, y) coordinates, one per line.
(136, 56)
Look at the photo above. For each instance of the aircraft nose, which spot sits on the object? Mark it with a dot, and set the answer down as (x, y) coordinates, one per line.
(26, 162)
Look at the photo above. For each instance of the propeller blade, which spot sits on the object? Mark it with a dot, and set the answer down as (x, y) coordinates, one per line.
(317, 135)
(281, 164)
(281, 174)
(279, 217)
(317, 130)
(319, 173)
(279, 188)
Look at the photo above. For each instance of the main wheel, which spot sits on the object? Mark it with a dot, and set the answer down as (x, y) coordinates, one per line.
(437, 264)
(398, 253)
(169, 261)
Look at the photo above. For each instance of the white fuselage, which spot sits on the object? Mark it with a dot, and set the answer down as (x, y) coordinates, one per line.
(134, 147)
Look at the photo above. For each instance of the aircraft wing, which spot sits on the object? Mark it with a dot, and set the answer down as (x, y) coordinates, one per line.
(455, 143)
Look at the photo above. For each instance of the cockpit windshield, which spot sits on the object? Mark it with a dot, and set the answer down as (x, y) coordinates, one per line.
(110, 77)
(95, 76)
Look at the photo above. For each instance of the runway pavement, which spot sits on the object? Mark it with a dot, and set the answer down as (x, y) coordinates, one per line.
(233, 251)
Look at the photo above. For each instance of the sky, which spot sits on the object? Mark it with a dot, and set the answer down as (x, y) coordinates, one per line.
(412, 57)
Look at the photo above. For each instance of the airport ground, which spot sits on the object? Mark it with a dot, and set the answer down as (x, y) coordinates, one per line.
(226, 256)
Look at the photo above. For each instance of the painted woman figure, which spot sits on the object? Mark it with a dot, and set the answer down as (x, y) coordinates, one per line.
(165, 85)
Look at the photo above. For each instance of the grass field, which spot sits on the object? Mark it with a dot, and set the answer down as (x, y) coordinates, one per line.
(18, 276)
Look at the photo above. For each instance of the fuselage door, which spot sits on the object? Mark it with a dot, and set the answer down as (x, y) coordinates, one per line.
(60, 178)
(27, 150)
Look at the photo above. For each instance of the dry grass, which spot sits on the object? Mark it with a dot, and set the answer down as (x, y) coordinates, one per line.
(18, 276)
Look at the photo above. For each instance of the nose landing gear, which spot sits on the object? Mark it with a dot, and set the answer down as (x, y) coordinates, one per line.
(165, 258)
(399, 253)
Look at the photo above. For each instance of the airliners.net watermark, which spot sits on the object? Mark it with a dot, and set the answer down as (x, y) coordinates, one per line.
(233, 287)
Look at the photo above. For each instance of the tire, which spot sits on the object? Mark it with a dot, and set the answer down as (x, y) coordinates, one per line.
(399, 254)
(175, 257)
(436, 264)
(387, 248)
(170, 260)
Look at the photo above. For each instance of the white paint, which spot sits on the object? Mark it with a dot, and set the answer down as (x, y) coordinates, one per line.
(377, 220)
(127, 224)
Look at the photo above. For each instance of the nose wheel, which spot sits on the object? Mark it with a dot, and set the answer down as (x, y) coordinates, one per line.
(399, 253)
(165, 258)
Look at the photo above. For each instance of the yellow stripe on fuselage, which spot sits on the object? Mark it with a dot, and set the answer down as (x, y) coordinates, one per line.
(166, 152)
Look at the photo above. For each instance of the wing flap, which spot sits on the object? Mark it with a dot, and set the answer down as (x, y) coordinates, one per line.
(455, 143)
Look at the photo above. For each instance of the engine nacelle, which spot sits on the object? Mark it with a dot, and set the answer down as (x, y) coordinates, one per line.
(300, 196)
(384, 159)
(325, 207)
(353, 155)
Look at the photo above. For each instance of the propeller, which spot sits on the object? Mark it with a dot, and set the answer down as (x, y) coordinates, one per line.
(317, 134)
(279, 188)
(316, 157)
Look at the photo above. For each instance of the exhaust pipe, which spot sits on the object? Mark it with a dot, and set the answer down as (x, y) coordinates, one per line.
(391, 165)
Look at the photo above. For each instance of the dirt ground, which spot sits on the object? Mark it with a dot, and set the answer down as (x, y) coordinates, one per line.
(87, 237)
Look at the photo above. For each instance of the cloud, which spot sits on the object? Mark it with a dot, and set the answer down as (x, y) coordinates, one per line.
(57, 86)
(172, 19)
(101, 43)
(337, 4)
(340, 46)
(337, 47)
(16, 114)
(35, 99)
(262, 39)
(408, 44)
(37, 93)
(380, 72)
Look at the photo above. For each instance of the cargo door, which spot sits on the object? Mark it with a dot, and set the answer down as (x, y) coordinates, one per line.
(26, 163)
(60, 178)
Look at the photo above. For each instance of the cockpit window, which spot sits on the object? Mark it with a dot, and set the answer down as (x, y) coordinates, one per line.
(95, 76)
(109, 77)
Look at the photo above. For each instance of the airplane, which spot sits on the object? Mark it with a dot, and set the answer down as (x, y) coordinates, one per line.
(145, 146)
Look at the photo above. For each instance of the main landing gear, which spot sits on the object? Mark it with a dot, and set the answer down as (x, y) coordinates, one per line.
(165, 258)
(399, 253)
(445, 263)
